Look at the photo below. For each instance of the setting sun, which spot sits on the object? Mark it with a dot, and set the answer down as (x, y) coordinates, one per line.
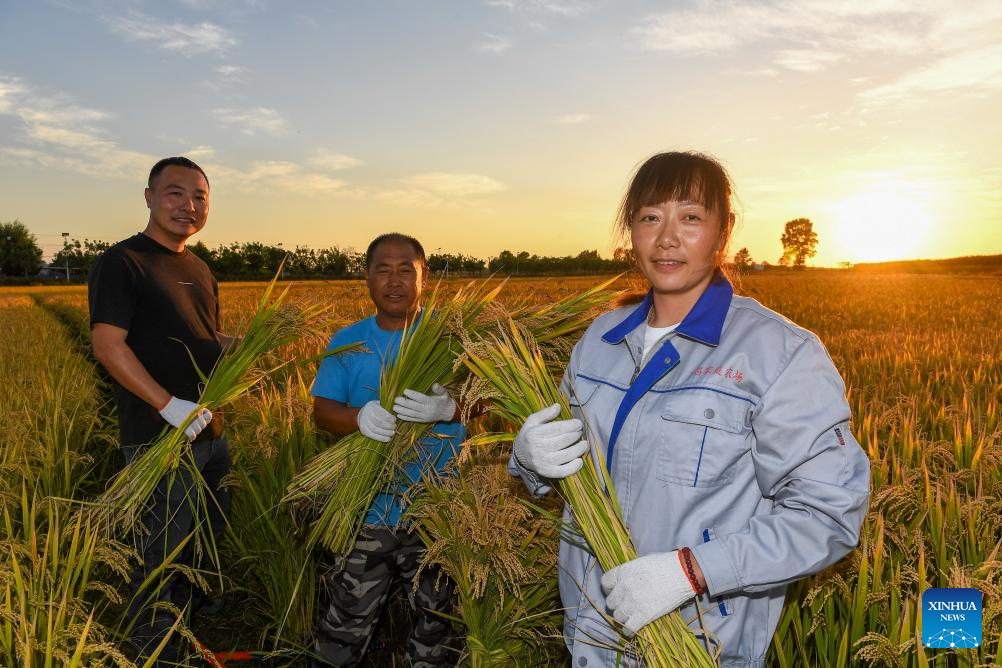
(888, 223)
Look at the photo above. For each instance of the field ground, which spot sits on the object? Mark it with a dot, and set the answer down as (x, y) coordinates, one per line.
(922, 360)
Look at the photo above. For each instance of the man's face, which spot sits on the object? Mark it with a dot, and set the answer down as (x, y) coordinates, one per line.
(395, 278)
(178, 203)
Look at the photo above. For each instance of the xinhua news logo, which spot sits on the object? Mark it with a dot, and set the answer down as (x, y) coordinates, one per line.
(951, 618)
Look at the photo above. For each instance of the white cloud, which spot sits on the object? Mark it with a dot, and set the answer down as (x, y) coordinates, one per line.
(231, 72)
(252, 121)
(10, 88)
(271, 168)
(550, 7)
(976, 70)
(63, 135)
(74, 139)
(54, 111)
(290, 176)
(808, 35)
(222, 5)
(200, 153)
(228, 75)
(280, 175)
(410, 198)
(333, 161)
(572, 119)
(185, 38)
(496, 44)
(455, 185)
(806, 60)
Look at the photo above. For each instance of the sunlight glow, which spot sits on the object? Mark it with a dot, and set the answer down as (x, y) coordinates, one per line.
(890, 222)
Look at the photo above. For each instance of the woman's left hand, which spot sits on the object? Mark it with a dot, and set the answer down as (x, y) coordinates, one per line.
(648, 587)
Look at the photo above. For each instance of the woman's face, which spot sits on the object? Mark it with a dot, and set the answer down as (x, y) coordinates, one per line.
(675, 245)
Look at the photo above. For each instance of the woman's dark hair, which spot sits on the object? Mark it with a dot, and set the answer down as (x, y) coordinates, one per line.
(399, 238)
(167, 162)
(677, 176)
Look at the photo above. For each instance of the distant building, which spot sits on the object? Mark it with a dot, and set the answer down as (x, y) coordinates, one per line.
(58, 273)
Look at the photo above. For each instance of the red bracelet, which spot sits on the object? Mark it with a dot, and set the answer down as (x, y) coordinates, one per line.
(685, 557)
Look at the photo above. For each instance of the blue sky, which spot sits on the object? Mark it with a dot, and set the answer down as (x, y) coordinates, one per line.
(480, 126)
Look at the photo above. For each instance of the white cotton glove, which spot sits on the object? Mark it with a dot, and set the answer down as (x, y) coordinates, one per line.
(376, 422)
(177, 411)
(413, 406)
(641, 590)
(550, 449)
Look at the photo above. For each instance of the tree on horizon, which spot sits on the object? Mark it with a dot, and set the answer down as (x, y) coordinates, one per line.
(20, 254)
(743, 260)
(800, 242)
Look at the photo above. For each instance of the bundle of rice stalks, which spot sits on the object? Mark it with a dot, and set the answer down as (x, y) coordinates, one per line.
(556, 326)
(502, 555)
(345, 478)
(515, 377)
(242, 366)
(51, 597)
(566, 318)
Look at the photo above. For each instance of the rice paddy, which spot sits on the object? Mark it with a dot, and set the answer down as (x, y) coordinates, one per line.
(922, 360)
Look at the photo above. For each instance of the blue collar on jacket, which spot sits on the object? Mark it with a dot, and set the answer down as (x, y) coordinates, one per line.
(702, 324)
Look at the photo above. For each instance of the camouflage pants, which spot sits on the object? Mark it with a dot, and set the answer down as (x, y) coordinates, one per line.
(359, 588)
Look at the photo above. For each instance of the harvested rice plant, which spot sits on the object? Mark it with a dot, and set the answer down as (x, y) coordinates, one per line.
(922, 360)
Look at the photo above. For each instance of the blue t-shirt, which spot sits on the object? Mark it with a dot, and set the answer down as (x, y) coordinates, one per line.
(353, 379)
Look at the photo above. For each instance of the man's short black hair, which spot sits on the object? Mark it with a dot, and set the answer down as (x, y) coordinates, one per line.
(394, 236)
(167, 162)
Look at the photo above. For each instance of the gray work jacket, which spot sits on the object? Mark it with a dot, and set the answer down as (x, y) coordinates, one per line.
(731, 436)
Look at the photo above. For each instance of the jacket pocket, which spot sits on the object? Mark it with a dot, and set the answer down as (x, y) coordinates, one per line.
(702, 438)
(583, 402)
(581, 392)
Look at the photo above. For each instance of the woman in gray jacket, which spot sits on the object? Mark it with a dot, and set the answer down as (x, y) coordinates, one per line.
(725, 429)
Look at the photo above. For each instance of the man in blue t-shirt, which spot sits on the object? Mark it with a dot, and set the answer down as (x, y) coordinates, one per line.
(345, 399)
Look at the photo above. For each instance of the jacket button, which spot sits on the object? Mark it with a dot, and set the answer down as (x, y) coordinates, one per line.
(708, 413)
(582, 661)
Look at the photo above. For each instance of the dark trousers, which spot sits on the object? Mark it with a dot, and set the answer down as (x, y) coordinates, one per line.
(169, 519)
(359, 587)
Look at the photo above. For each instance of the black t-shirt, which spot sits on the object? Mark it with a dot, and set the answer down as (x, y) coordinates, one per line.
(169, 303)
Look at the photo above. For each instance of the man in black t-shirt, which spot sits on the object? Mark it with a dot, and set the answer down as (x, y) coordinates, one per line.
(154, 308)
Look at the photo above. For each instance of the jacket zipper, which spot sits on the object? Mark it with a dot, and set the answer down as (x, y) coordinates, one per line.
(647, 355)
(636, 366)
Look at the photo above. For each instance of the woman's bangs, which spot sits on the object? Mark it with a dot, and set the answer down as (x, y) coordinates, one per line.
(676, 186)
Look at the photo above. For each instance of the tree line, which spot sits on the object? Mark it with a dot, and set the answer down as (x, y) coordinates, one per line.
(21, 256)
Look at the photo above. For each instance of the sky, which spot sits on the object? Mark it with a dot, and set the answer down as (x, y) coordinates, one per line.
(479, 126)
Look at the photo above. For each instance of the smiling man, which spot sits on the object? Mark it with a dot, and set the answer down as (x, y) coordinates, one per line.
(346, 399)
(153, 308)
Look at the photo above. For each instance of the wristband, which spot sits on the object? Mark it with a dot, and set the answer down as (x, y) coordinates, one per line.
(685, 557)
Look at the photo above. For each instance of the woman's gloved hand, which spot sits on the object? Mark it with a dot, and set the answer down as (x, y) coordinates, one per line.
(648, 587)
(550, 448)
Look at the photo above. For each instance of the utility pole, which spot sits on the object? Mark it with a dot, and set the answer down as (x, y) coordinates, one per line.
(66, 256)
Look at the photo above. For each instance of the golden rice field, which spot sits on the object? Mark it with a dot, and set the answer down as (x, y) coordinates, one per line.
(921, 356)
